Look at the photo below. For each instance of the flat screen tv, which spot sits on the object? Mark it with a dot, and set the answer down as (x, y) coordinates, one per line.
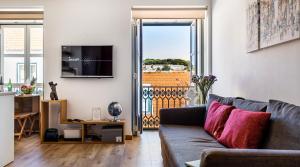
(87, 62)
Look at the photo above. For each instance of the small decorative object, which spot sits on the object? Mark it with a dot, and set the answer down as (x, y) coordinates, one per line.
(203, 85)
(115, 109)
(96, 113)
(33, 81)
(1, 84)
(191, 95)
(53, 94)
(9, 86)
(28, 89)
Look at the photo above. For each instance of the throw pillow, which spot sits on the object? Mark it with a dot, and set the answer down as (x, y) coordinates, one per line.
(244, 129)
(284, 126)
(222, 100)
(216, 118)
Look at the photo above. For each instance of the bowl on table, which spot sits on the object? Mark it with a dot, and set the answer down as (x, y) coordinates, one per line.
(27, 89)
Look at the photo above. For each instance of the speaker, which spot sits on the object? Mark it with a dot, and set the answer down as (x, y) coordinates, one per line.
(51, 135)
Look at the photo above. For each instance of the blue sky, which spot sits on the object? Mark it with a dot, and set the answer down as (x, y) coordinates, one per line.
(161, 42)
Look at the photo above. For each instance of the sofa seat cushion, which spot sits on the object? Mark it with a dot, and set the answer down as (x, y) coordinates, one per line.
(185, 143)
(284, 133)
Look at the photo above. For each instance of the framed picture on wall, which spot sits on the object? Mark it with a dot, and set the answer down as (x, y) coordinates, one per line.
(279, 21)
(253, 25)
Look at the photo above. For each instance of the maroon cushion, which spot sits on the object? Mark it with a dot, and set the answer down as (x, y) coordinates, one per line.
(216, 118)
(244, 129)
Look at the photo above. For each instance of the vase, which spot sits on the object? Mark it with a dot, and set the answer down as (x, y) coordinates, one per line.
(202, 97)
(192, 96)
(9, 86)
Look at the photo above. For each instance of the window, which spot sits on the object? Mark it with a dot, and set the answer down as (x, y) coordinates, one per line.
(36, 40)
(22, 54)
(20, 73)
(21, 70)
(14, 40)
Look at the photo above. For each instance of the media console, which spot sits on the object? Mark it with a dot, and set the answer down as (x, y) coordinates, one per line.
(108, 128)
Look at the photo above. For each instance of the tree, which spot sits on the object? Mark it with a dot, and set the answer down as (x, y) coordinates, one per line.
(166, 68)
(166, 62)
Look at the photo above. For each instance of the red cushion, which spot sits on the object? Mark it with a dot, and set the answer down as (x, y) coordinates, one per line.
(216, 118)
(244, 129)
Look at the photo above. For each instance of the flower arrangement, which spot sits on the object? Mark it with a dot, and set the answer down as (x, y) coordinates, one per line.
(203, 85)
(29, 88)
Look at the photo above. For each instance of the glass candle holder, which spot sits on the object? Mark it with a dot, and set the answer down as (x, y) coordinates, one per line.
(96, 113)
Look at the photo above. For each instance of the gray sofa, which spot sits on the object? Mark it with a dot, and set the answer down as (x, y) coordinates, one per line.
(184, 139)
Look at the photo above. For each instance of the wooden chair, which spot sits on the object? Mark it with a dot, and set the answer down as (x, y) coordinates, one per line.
(22, 120)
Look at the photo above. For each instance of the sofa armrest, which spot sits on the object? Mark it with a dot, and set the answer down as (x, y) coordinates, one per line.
(183, 116)
(250, 158)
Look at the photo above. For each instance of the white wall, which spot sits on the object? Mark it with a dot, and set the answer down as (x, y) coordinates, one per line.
(92, 22)
(268, 73)
(6, 128)
(105, 22)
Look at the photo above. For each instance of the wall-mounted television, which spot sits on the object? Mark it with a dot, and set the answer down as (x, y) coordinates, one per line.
(87, 62)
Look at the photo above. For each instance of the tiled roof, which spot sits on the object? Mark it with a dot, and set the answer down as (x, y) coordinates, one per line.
(167, 78)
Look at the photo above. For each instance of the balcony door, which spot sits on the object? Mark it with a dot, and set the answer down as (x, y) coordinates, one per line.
(167, 52)
(137, 121)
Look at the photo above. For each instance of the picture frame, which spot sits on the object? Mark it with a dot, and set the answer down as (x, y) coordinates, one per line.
(279, 22)
(272, 22)
(253, 25)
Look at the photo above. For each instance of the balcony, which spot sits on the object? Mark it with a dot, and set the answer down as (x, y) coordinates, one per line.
(157, 97)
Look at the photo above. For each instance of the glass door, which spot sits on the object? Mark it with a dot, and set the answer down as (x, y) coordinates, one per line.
(165, 56)
(137, 77)
(193, 48)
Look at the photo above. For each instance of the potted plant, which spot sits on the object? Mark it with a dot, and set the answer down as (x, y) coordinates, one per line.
(203, 84)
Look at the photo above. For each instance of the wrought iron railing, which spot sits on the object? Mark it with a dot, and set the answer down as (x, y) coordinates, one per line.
(157, 97)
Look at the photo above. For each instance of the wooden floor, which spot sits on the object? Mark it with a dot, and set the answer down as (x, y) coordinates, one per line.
(142, 151)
